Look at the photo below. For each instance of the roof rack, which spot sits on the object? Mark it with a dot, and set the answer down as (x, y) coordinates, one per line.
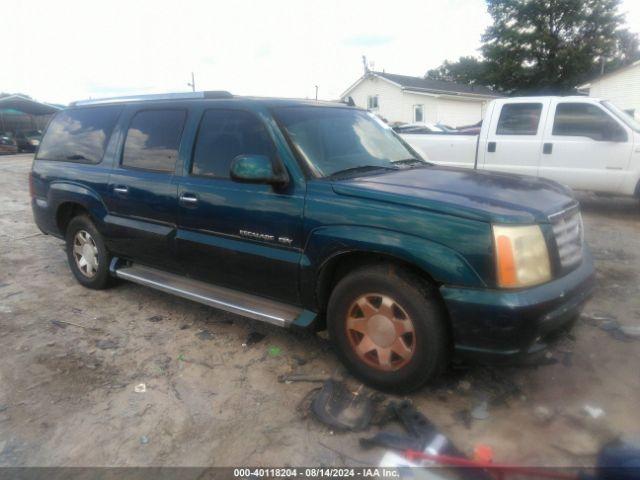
(212, 94)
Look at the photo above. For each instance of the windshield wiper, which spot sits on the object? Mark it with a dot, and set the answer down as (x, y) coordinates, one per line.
(360, 169)
(409, 161)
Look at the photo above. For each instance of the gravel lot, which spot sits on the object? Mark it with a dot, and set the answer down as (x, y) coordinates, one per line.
(67, 390)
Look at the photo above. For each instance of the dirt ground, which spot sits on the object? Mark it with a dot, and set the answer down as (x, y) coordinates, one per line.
(67, 390)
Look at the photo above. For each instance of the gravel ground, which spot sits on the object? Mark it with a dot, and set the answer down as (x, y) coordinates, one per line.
(72, 358)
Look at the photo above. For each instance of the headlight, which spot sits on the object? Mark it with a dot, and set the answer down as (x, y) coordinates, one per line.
(522, 257)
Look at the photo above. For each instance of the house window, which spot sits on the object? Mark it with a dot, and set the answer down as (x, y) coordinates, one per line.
(372, 102)
(418, 113)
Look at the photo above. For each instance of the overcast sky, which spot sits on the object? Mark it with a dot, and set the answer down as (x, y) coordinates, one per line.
(59, 51)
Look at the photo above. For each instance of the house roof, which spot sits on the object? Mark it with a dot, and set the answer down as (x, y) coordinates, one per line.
(427, 85)
(26, 105)
(609, 74)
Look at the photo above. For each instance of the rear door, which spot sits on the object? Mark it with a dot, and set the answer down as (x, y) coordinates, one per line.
(142, 196)
(243, 236)
(585, 147)
(514, 138)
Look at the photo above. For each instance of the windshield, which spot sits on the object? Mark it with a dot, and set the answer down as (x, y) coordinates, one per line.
(333, 140)
(622, 115)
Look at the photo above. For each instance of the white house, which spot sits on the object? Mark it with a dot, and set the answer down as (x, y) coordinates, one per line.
(621, 87)
(400, 98)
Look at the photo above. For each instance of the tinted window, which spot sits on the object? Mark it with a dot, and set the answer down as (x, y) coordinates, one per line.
(153, 139)
(79, 135)
(585, 120)
(225, 134)
(519, 119)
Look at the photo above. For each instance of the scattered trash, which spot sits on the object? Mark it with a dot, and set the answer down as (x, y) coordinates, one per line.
(336, 406)
(480, 411)
(592, 411)
(483, 453)
(632, 331)
(596, 317)
(253, 338)
(299, 360)
(144, 440)
(107, 344)
(3, 408)
(302, 377)
(181, 357)
(543, 414)
(155, 318)
(274, 351)
(205, 335)
(140, 388)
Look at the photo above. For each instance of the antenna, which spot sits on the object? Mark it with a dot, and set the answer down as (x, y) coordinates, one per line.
(193, 83)
(364, 63)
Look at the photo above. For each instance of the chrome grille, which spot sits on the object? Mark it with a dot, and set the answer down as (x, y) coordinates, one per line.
(569, 235)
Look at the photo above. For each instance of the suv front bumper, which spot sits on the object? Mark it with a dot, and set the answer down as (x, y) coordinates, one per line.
(502, 324)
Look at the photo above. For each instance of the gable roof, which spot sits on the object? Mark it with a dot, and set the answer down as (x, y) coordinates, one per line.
(609, 74)
(427, 85)
(27, 105)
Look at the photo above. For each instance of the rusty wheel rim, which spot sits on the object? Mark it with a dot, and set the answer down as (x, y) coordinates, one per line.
(380, 332)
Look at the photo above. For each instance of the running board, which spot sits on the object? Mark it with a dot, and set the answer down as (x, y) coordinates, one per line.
(240, 303)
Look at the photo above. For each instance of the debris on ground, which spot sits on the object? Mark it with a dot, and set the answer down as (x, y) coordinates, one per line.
(302, 377)
(205, 335)
(107, 344)
(543, 414)
(480, 411)
(274, 351)
(253, 338)
(336, 406)
(463, 416)
(593, 411)
(155, 318)
(299, 360)
(140, 388)
(144, 440)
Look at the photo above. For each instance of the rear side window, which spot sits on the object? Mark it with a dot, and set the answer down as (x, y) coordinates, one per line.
(222, 136)
(585, 120)
(153, 139)
(79, 135)
(519, 119)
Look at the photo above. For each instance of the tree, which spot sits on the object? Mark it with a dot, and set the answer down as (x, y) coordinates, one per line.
(546, 45)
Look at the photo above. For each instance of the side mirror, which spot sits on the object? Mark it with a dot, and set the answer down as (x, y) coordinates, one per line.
(257, 169)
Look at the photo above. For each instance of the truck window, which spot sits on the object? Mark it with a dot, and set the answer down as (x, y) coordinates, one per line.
(153, 139)
(222, 136)
(79, 135)
(519, 119)
(585, 120)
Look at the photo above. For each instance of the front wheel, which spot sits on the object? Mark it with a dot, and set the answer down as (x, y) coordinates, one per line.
(388, 327)
(87, 255)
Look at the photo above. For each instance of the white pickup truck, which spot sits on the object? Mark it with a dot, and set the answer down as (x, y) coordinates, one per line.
(582, 142)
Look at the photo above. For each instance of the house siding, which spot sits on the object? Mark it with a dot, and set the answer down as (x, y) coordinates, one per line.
(621, 88)
(396, 105)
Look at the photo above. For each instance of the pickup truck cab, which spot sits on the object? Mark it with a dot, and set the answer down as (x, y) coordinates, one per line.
(581, 142)
(314, 215)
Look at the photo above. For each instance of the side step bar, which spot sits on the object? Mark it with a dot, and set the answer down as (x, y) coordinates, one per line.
(240, 303)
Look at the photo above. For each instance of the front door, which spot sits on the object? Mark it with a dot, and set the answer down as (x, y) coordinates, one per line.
(515, 137)
(243, 236)
(142, 197)
(585, 147)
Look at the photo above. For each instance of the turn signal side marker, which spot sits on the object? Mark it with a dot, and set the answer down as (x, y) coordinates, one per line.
(507, 275)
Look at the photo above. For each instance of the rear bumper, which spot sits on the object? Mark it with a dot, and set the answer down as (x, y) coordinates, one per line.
(494, 325)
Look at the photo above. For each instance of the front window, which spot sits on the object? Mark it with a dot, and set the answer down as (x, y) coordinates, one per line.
(333, 140)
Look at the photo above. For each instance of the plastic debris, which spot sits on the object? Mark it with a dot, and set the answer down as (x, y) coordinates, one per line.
(205, 335)
(337, 407)
(483, 453)
(593, 411)
(480, 411)
(302, 377)
(144, 440)
(155, 318)
(274, 351)
(253, 338)
(632, 331)
(543, 414)
(181, 357)
(140, 388)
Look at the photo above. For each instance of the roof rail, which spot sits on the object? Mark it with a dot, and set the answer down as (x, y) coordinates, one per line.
(213, 94)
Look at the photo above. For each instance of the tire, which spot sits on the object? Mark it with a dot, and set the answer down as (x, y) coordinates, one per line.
(390, 296)
(94, 271)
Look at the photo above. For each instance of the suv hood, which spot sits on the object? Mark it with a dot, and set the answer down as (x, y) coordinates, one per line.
(488, 196)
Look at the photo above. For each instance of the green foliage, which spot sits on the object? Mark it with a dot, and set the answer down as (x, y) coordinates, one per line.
(546, 45)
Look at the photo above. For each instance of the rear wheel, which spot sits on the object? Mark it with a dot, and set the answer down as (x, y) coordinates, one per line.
(87, 255)
(389, 327)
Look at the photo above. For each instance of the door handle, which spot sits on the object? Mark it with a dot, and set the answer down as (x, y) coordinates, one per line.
(547, 148)
(491, 147)
(122, 189)
(188, 199)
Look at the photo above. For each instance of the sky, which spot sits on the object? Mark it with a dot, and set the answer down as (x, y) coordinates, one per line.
(60, 51)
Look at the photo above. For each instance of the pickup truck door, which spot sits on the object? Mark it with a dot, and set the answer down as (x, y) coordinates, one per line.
(238, 235)
(142, 192)
(585, 147)
(514, 137)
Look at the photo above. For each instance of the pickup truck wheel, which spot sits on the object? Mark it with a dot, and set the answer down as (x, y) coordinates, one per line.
(388, 327)
(87, 255)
